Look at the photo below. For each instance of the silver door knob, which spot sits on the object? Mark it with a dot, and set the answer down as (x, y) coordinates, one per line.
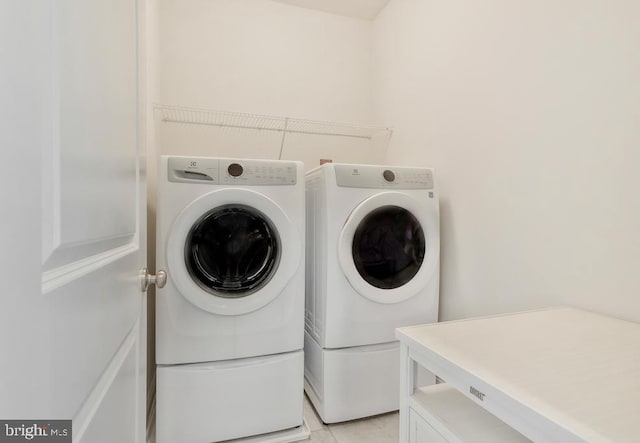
(146, 279)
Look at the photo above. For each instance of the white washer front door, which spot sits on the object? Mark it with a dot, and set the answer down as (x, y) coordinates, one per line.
(232, 251)
(388, 248)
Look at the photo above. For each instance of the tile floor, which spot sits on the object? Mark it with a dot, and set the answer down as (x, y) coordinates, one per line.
(378, 429)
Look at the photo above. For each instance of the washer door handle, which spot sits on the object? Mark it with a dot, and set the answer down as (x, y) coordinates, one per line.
(147, 279)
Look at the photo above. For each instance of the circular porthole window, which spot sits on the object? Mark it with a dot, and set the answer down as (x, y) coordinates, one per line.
(232, 251)
(388, 247)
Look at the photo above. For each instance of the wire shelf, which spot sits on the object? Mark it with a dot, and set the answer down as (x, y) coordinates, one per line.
(285, 125)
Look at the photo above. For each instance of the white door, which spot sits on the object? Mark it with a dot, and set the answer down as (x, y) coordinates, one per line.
(73, 225)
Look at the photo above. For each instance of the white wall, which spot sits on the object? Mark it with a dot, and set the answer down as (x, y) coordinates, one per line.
(263, 57)
(530, 114)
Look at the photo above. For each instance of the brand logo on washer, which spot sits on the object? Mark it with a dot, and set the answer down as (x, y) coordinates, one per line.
(476, 393)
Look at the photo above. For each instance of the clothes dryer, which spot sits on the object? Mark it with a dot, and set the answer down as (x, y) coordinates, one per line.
(229, 322)
(373, 248)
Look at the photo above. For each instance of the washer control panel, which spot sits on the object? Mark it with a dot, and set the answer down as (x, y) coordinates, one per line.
(232, 171)
(385, 177)
(257, 172)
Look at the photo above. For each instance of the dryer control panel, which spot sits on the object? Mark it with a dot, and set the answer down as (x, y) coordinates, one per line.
(384, 177)
(232, 171)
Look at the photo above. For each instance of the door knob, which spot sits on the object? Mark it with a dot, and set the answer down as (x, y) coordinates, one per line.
(146, 279)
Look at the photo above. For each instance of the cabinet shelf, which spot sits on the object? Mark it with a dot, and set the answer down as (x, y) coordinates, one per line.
(442, 414)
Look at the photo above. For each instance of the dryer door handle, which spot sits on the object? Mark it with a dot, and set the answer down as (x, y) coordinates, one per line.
(147, 279)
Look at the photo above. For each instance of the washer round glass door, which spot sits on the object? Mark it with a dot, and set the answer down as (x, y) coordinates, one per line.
(389, 246)
(232, 251)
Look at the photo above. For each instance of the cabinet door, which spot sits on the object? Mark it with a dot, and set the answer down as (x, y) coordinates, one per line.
(421, 432)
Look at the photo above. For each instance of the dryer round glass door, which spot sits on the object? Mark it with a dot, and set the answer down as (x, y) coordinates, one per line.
(232, 251)
(389, 246)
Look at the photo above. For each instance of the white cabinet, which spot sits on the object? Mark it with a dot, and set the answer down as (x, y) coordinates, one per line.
(558, 374)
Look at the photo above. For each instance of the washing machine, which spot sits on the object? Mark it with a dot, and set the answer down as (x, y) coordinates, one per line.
(373, 249)
(229, 321)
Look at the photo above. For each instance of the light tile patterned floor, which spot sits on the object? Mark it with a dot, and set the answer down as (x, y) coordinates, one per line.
(378, 429)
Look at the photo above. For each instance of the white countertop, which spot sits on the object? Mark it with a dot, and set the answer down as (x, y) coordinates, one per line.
(576, 369)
